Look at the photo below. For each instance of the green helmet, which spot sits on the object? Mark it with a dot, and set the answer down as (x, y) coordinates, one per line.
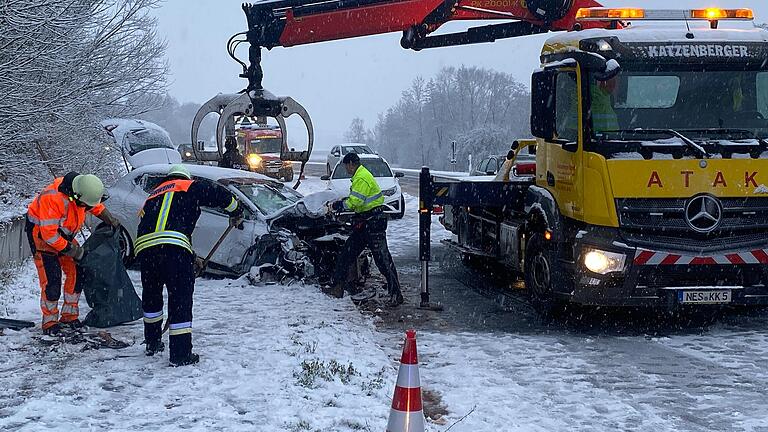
(88, 189)
(179, 170)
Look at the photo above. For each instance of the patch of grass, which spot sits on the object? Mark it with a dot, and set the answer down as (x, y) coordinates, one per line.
(376, 383)
(302, 425)
(355, 425)
(312, 371)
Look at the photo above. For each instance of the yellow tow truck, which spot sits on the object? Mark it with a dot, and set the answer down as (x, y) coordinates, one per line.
(651, 185)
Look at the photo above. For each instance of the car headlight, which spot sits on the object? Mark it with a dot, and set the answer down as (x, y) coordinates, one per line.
(603, 262)
(254, 160)
(188, 154)
(389, 192)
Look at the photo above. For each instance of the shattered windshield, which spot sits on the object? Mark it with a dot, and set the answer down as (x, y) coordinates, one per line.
(702, 105)
(144, 139)
(377, 167)
(269, 198)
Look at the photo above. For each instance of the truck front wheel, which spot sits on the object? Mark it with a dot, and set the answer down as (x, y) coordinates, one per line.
(540, 266)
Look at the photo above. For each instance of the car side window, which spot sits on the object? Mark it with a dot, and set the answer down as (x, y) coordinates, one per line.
(149, 182)
(247, 214)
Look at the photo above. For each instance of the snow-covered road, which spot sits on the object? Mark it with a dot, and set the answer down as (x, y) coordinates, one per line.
(288, 358)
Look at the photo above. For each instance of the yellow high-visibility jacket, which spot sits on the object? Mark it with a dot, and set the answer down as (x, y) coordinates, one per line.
(364, 193)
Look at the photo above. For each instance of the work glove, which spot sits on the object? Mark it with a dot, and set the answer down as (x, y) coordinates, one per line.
(338, 206)
(74, 250)
(107, 217)
(236, 221)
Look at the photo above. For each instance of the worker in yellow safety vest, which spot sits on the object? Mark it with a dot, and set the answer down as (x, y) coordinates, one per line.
(369, 229)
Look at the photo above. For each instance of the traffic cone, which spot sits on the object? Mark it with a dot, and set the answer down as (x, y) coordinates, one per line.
(406, 414)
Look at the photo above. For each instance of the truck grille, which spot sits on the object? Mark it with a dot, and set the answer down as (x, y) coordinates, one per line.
(273, 164)
(668, 214)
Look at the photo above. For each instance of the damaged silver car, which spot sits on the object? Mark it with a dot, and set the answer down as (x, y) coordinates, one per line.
(285, 235)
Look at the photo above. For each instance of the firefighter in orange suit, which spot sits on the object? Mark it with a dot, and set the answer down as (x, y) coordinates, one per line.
(53, 219)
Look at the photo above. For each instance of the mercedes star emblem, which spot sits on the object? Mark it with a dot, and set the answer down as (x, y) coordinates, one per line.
(703, 213)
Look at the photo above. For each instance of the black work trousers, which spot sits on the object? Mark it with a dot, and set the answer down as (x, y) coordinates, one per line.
(172, 267)
(371, 233)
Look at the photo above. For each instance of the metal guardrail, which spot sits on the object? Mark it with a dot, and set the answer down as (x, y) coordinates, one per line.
(14, 248)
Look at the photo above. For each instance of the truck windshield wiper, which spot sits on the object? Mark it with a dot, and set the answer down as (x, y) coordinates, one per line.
(728, 131)
(687, 141)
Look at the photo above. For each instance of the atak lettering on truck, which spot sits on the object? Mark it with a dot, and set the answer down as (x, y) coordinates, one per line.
(719, 179)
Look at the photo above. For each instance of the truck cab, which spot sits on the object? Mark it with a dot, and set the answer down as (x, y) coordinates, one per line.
(651, 166)
(261, 143)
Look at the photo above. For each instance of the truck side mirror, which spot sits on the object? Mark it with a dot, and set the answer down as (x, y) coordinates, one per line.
(336, 154)
(543, 104)
(325, 177)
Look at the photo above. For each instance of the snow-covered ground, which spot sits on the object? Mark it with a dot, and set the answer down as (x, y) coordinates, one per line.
(280, 358)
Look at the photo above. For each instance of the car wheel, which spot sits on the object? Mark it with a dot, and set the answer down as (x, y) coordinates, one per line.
(126, 247)
(402, 209)
(540, 267)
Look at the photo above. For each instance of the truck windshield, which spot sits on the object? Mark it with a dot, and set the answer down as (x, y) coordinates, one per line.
(265, 145)
(702, 104)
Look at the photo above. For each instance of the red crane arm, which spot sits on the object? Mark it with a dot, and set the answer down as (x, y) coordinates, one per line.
(297, 22)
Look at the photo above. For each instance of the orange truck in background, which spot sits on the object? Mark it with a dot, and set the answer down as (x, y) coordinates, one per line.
(261, 146)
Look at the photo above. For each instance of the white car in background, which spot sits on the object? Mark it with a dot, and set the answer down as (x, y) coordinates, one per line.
(394, 203)
(338, 151)
(141, 142)
(261, 197)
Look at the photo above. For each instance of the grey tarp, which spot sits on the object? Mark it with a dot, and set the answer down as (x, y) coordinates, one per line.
(101, 275)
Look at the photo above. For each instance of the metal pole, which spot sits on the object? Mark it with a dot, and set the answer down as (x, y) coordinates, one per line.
(425, 222)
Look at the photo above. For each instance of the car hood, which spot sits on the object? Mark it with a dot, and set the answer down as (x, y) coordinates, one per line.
(314, 205)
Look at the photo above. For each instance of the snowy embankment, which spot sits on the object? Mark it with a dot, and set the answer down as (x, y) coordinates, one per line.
(273, 358)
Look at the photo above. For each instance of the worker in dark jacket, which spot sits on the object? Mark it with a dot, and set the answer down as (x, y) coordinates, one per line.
(232, 157)
(164, 249)
(369, 228)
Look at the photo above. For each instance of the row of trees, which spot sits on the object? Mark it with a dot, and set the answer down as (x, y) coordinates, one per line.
(482, 110)
(65, 65)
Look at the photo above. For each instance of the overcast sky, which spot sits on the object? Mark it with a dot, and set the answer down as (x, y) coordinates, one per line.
(339, 80)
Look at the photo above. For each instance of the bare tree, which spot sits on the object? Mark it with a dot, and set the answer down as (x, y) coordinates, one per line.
(358, 133)
(64, 66)
(482, 110)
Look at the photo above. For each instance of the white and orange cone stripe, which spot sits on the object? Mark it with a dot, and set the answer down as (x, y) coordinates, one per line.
(406, 414)
(649, 257)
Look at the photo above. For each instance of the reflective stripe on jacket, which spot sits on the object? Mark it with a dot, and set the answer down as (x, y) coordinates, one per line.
(364, 192)
(171, 211)
(56, 215)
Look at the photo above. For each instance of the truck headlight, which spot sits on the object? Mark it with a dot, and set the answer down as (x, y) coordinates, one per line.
(603, 262)
(254, 160)
(389, 192)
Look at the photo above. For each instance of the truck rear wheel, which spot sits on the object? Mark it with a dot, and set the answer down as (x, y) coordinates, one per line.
(540, 266)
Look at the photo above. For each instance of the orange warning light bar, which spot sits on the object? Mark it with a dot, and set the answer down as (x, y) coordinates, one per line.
(709, 14)
(722, 14)
(600, 14)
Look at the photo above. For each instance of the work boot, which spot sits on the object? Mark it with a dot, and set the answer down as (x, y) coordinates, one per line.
(189, 360)
(336, 291)
(395, 300)
(54, 330)
(154, 347)
(75, 324)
